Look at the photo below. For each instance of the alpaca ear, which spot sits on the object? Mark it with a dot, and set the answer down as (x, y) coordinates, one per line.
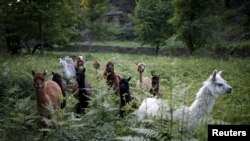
(129, 78)
(33, 72)
(152, 73)
(52, 73)
(219, 73)
(45, 72)
(214, 75)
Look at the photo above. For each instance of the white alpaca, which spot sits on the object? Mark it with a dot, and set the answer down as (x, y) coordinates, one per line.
(212, 88)
(143, 82)
(68, 60)
(68, 70)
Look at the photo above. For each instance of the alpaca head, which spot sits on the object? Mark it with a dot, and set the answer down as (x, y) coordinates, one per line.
(81, 58)
(80, 61)
(74, 58)
(39, 78)
(80, 77)
(62, 63)
(155, 79)
(56, 77)
(217, 85)
(141, 67)
(110, 67)
(96, 64)
(124, 85)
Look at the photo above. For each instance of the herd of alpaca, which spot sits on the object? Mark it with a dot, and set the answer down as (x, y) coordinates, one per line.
(53, 93)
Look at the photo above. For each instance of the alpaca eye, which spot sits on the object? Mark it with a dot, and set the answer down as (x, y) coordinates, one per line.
(219, 84)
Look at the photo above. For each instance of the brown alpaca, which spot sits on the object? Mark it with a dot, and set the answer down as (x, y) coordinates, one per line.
(96, 64)
(48, 94)
(112, 79)
(143, 82)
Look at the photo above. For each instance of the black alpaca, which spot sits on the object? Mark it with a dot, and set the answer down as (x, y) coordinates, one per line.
(124, 94)
(58, 79)
(155, 90)
(84, 91)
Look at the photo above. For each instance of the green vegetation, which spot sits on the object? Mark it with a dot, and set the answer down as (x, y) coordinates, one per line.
(152, 22)
(193, 23)
(180, 77)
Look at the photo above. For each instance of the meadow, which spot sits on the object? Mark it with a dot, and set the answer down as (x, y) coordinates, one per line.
(181, 78)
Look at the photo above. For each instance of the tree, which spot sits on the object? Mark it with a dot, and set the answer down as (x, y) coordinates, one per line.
(39, 21)
(93, 10)
(151, 19)
(192, 22)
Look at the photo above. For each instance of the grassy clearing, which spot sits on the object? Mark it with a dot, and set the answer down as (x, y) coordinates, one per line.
(180, 77)
(133, 44)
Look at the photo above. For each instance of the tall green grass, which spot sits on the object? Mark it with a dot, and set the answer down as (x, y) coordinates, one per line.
(180, 80)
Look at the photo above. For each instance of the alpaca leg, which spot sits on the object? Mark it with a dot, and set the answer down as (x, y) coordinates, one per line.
(78, 108)
(63, 104)
(122, 112)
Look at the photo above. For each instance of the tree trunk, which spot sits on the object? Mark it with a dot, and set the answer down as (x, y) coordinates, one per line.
(8, 43)
(13, 44)
(157, 48)
(41, 34)
(190, 44)
(27, 46)
(227, 3)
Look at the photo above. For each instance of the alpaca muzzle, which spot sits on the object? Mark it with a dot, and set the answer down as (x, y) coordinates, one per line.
(229, 91)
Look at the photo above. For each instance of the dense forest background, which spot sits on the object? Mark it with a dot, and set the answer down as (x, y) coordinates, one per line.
(27, 25)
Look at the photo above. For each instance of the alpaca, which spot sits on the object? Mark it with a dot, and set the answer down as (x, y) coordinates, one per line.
(143, 82)
(58, 79)
(84, 92)
(155, 89)
(205, 100)
(74, 57)
(112, 79)
(96, 64)
(125, 96)
(68, 70)
(48, 94)
(80, 63)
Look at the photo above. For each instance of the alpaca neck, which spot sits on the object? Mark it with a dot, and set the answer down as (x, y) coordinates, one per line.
(65, 66)
(155, 89)
(81, 83)
(203, 103)
(125, 97)
(140, 77)
(40, 96)
(62, 88)
(111, 76)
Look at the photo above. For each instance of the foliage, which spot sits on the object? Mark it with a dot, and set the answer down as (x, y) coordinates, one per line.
(151, 19)
(193, 23)
(23, 22)
(180, 80)
(93, 10)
